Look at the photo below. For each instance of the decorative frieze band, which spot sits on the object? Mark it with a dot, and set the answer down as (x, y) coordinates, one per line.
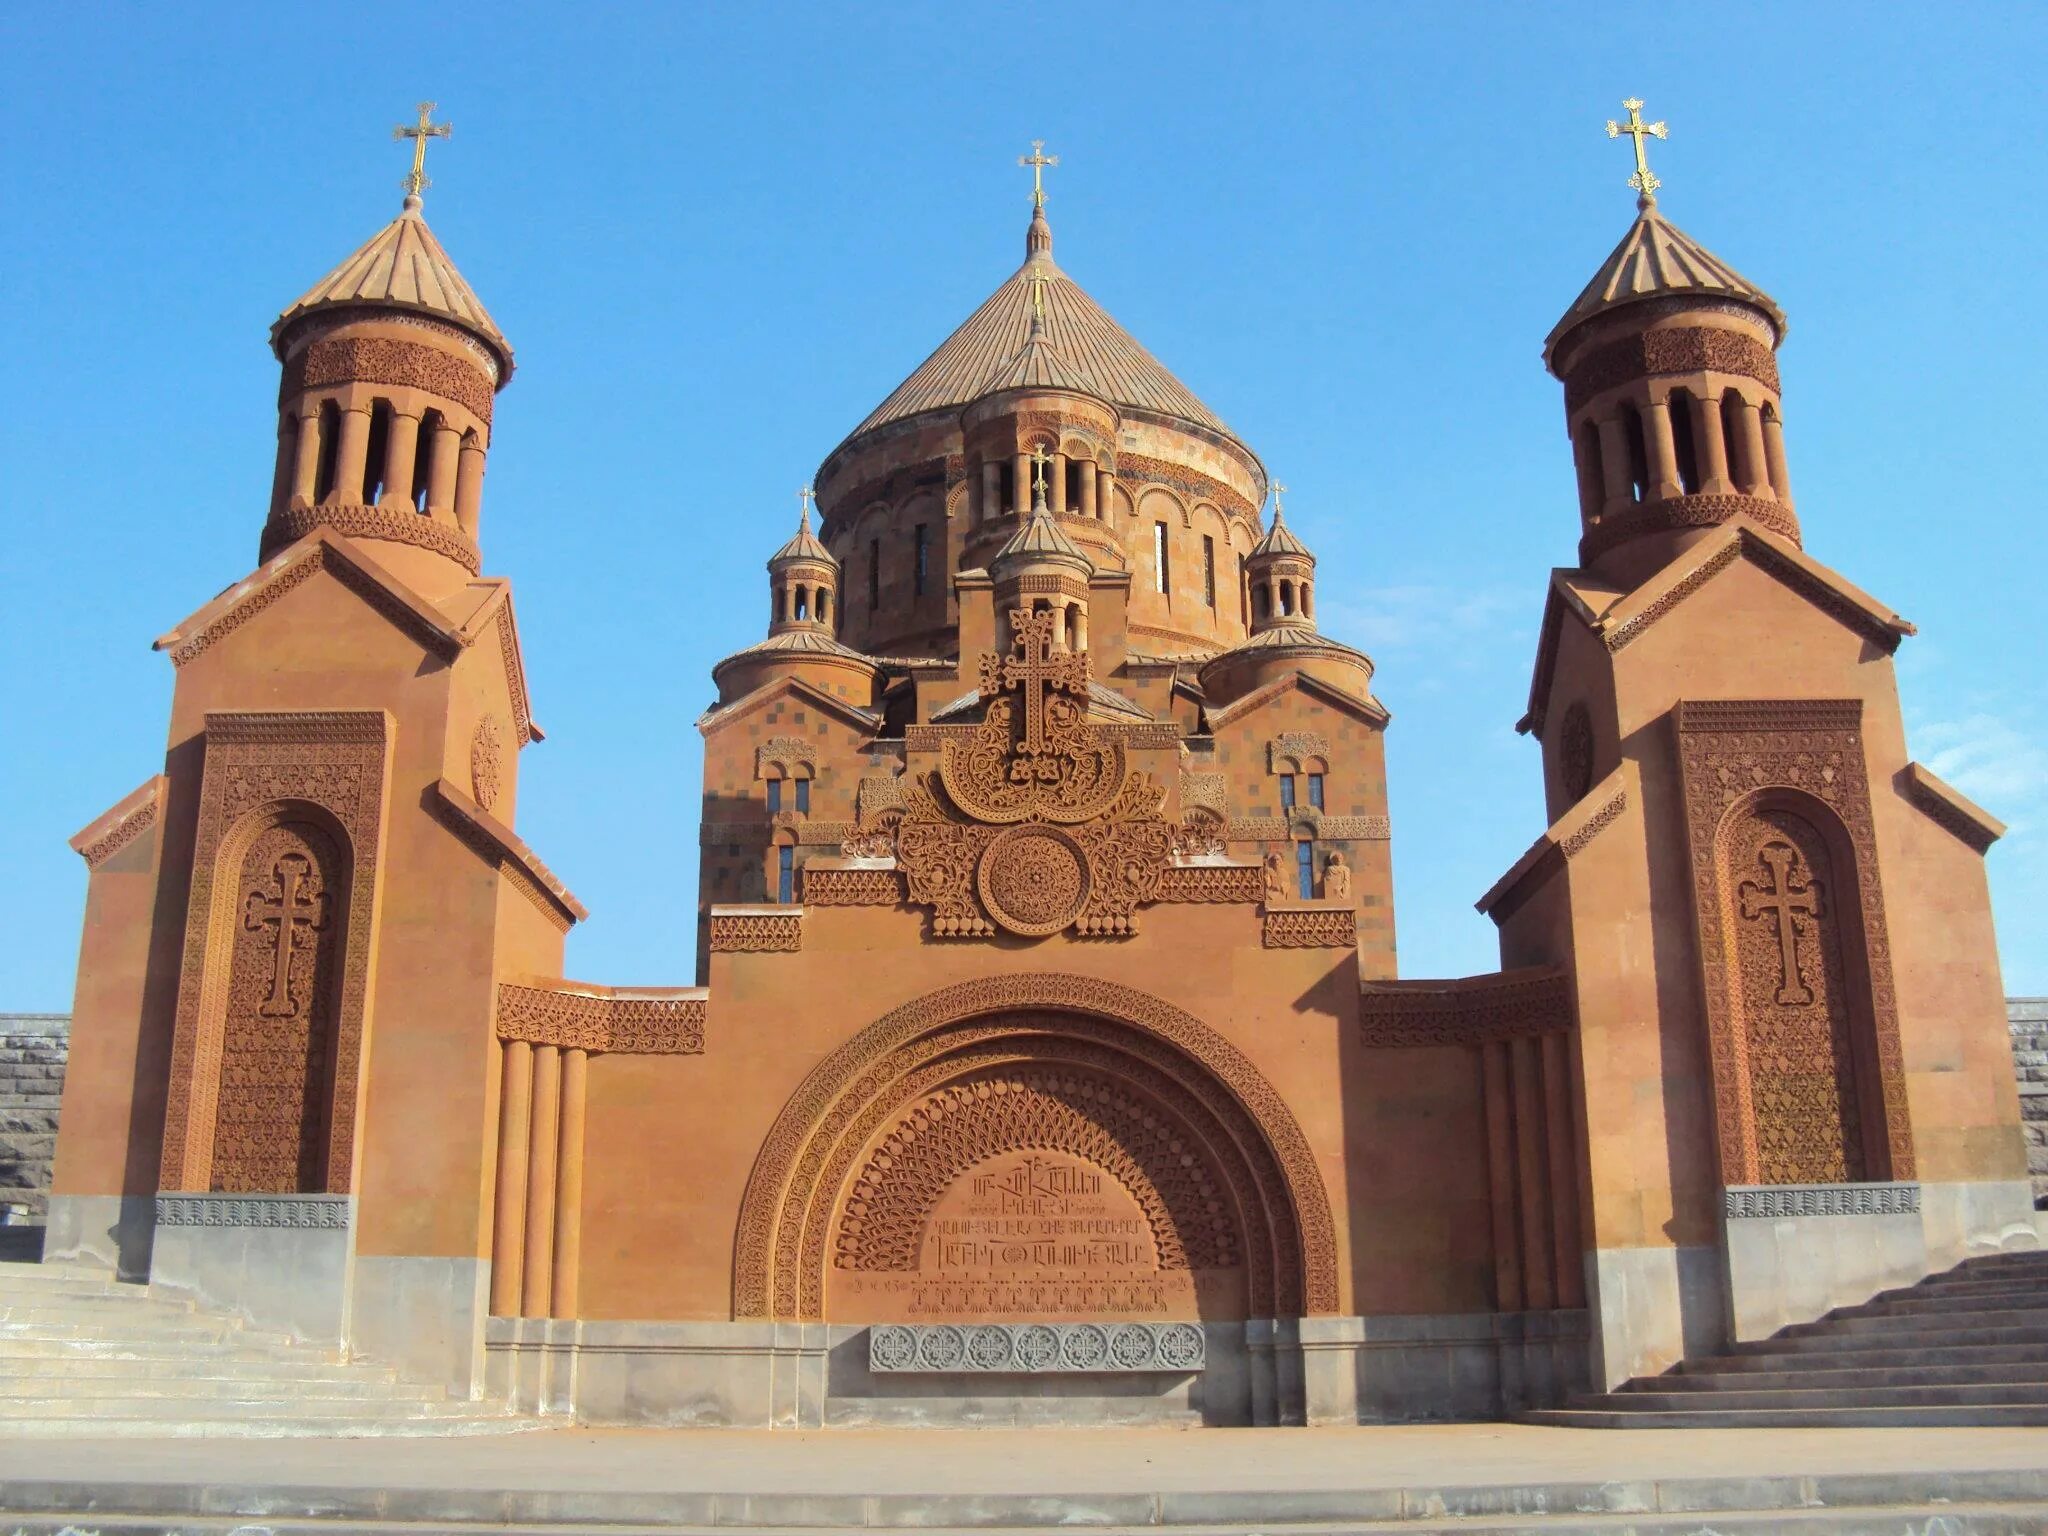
(669, 1023)
(1311, 928)
(808, 833)
(1472, 1012)
(756, 930)
(1212, 883)
(852, 887)
(1037, 1348)
(1280, 829)
(327, 1212)
(1746, 1202)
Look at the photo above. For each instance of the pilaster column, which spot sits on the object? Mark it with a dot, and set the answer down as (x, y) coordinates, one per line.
(1105, 493)
(569, 1185)
(469, 485)
(351, 459)
(1614, 476)
(1273, 610)
(401, 454)
(545, 1145)
(444, 452)
(991, 491)
(1713, 444)
(1081, 622)
(1020, 490)
(508, 1229)
(1056, 493)
(1088, 499)
(1663, 451)
(306, 464)
(1752, 474)
(1774, 457)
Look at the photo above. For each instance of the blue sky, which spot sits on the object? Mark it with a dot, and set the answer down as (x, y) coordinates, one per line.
(717, 236)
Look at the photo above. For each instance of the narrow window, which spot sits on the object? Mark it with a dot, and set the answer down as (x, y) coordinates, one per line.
(1737, 441)
(1286, 792)
(803, 797)
(422, 459)
(1244, 595)
(1304, 868)
(1287, 599)
(1315, 790)
(373, 462)
(1006, 494)
(824, 606)
(1638, 462)
(330, 448)
(1074, 471)
(1684, 443)
(803, 608)
(874, 575)
(1208, 570)
(1160, 577)
(774, 796)
(1262, 601)
(922, 535)
(785, 875)
(1592, 484)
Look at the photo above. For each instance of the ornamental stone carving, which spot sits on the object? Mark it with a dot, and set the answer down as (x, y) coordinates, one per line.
(1037, 1348)
(1034, 821)
(487, 761)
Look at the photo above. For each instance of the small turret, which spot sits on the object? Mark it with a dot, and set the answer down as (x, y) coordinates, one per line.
(803, 581)
(1040, 568)
(1281, 573)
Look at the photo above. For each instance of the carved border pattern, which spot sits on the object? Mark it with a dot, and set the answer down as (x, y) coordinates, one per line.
(1682, 349)
(1499, 1008)
(1037, 1349)
(786, 1170)
(748, 933)
(387, 360)
(1729, 751)
(1970, 831)
(1311, 928)
(783, 752)
(330, 316)
(1280, 829)
(1138, 473)
(313, 1212)
(1212, 883)
(1575, 843)
(853, 887)
(622, 1026)
(256, 763)
(128, 828)
(400, 525)
(515, 675)
(1296, 745)
(1772, 1201)
(1696, 511)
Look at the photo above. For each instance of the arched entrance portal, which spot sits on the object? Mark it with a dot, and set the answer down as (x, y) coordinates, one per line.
(1037, 1146)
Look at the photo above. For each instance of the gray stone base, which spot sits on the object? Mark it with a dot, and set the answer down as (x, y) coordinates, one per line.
(110, 1232)
(280, 1262)
(813, 1375)
(1794, 1252)
(1964, 1220)
(1652, 1307)
(423, 1315)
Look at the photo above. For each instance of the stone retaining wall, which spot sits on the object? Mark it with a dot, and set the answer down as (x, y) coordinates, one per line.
(2028, 1017)
(33, 1049)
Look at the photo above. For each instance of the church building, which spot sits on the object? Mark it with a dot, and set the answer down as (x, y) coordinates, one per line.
(1046, 1058)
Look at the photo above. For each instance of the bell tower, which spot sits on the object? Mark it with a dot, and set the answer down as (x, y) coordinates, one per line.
(391, 367)
(1669, 365)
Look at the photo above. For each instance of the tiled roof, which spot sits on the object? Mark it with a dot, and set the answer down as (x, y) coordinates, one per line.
(1082, 349)
(1280, 540)
(1657, 259)
(403, 266)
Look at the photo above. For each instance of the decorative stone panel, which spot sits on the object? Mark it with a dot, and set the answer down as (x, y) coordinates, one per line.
(602, 1019)
(324, 1212)
(1772, 1201)
(756, 930)
(1037, 1348)
(1311, 928)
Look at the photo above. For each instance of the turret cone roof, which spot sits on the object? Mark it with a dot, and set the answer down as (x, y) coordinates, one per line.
(1280, 540)
(402, 266)
(1657, 259)
(1080, 348)
(805, 546)
(1037, 540)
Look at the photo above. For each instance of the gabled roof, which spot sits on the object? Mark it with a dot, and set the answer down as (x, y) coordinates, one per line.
(1657, 259)
(479, 607)
(1364, 706)
(851, 714)
(1104, 703)
(402, 266)
(1629, 615)
(1082, 349)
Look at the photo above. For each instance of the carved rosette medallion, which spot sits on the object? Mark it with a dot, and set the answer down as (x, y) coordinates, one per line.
(1033, 880)
(1035, 824)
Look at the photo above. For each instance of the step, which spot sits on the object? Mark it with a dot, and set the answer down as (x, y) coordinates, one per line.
(198, 1329)
(1788, 1418)
(2021, 1395)
(95, 1311)
(27, 1275)
(178, 1365)
(1812, 1353)
(274, 1406)
(2029, 1260)
(1705, 1377)
(96, 1346)
(210, 1388)
(72, 1427)
(2021, 1290)
(1936, 1305)
(1928, 1332)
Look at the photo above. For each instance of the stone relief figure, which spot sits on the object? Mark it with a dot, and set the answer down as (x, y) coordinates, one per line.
(1336, 879)
(1276, 878)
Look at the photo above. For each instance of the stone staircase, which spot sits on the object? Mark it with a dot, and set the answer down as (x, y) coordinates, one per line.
(33, 1049)
(83, 1354)
(1969, 1346)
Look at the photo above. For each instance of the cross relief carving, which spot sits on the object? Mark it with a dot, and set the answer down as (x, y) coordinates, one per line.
(1784, 902)
(294, 910)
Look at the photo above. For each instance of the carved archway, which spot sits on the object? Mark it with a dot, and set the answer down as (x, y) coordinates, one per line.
(1256, 1189)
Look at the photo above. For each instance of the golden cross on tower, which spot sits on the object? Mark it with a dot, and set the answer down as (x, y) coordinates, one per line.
(1038, 160)
(1279, 490)
(1645, 184)
(426, 129)
(804, 498)
(1039, 460)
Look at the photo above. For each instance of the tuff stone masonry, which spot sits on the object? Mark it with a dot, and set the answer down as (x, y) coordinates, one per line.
(1046, 1058)
(2029, 1017)
(33, 1047)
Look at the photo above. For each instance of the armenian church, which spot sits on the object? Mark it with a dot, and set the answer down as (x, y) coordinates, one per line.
(1046, 1058)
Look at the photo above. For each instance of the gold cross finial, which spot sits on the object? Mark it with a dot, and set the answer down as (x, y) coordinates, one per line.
(1645, 184)
(1038, 160)
(426, 129)
(1039, 460)
(804, 498)
(1038, 299)
(1279, 490)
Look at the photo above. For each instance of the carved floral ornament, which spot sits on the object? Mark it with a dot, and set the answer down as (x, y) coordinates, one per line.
(1035, 824)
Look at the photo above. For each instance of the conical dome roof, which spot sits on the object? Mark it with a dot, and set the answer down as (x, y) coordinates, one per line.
(1084, 350)
(805, 546)
(402, 266)
(1039, 538)
(1280, 540)
(1657, 259)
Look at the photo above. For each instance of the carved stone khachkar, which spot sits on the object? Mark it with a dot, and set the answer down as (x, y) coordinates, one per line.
(1036, 824)
(1037, 1348)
